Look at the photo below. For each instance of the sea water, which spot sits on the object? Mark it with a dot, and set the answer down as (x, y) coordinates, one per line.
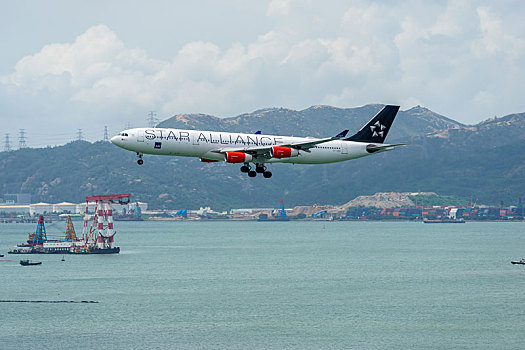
(272, 285)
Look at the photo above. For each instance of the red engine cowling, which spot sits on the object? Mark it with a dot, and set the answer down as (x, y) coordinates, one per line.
(283, 152)
(237, 157)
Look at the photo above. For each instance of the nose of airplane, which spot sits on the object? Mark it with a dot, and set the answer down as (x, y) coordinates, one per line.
(115, 139)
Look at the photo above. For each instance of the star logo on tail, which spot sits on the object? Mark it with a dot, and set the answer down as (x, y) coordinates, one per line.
(378, 129)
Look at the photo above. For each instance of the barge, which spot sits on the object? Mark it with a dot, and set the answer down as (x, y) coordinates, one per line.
(29, 263)
(97, 237)
(443, 221)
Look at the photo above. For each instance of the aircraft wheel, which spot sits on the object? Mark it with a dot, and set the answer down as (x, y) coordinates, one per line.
(260, 169)
(252, 173)
(140, 162)
(245, 169)
(267, 174)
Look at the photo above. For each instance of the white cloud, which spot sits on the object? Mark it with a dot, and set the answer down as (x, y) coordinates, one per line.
(494, 39)
(279, 7)
(451, 21)
(459, 58)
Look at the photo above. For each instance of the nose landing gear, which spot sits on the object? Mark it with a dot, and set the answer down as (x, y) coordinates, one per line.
(140, 161)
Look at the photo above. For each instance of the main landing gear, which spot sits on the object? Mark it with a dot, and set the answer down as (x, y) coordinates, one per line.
(140, 161)
(259, 169)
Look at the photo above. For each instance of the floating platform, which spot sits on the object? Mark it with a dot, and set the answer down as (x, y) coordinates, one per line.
(113, 250)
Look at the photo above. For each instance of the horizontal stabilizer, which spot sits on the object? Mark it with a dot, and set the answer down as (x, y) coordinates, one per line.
(341, 134)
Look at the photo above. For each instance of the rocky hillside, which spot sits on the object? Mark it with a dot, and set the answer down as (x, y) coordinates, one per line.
(385, 200)
(316, 121)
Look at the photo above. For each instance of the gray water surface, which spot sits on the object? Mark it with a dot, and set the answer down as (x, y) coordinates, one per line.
(273, 285)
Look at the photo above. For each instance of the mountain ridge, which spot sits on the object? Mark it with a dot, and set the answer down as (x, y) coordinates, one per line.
(415, 121)
(485, 161)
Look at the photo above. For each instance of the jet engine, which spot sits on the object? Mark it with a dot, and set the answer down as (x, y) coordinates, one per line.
(283, 152)
(237, 157)
(372, 148)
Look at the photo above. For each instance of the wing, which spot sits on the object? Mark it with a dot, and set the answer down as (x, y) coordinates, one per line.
(302, 146)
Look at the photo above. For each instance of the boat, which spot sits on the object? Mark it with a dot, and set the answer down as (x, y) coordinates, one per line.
(520, 262)
(29, 263)
(443, 221)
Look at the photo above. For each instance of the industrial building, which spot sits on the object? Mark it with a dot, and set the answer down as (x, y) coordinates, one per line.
(63, 207)
(40, 209)
(14, 209)
(16, 198)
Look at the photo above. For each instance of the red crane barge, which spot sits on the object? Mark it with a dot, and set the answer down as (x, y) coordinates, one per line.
(97, 237)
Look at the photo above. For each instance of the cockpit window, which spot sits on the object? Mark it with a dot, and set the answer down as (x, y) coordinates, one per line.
(123, 134)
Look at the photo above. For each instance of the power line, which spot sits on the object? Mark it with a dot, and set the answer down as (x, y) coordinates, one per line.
(22, 139)
(7, 146)
(152, 119)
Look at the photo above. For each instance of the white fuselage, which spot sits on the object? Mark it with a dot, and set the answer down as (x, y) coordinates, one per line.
(202, 144)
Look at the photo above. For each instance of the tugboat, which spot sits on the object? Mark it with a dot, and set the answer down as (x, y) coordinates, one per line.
(521, 262)
(29, 263)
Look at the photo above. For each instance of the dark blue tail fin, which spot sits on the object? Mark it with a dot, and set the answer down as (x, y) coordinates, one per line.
(377, 128)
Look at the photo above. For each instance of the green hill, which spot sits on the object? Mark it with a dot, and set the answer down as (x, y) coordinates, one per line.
(485, 162)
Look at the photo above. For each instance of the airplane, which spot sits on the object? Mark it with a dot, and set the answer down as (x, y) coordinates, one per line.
(259, 149)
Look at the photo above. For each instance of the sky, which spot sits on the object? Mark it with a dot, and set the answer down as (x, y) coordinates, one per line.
(67, 65)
